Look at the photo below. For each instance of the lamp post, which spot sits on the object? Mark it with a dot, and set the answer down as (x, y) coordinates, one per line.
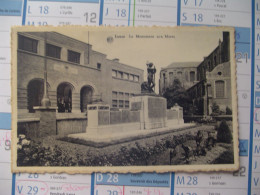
(45, 100)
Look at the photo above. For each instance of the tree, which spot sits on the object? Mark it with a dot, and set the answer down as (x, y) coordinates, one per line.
(224, 133)
(228, 111)
(177, 94)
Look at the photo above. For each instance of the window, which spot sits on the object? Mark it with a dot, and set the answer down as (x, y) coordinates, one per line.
(121, 104)
(164, 76)
(186, 76)
(53, 51)
(121, 95)
(136, 78)
(215, 61)
(171, 76)
(192, 76)
(99, 66)
(114, 99)
(27, 44)
(114, 103)
(126, 76)
(179, 74)
(220, 86)
(120, 75)
(114, 73)
(126, 104)
(209, 65)
(131, 77)
(73, 56)
(114, 95)
(126, 96)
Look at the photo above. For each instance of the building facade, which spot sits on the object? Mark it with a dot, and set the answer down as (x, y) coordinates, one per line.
(76, 74)
(186, 72)
(212, 84)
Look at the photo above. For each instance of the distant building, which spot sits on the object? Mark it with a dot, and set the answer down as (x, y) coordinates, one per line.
(212, 83)
(76, 74)
(186, 72)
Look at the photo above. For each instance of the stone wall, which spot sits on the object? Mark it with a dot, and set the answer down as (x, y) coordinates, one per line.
(70, 126)
(124, 116)
(29, 128)
(64, 126)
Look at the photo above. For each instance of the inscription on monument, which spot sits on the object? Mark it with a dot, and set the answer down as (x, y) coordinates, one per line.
(157, 108)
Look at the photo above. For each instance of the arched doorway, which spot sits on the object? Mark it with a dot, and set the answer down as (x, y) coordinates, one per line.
(86, 97)
(64, 97)
(34, 93)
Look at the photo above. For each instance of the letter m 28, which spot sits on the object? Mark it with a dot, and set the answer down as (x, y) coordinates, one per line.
(190, 180)
(180, 180)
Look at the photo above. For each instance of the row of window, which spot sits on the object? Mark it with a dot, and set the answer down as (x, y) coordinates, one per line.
(125, 76)
(179, 75)
(120, 99)
(31, 45)
(120, 104)
(199, 90)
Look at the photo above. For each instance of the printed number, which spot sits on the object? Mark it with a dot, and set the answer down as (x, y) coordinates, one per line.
(44, 9)
(192, 180)
(7, 144)
(240, 55)
(187, 193)
(121, 12)
(240, 172)
(112, 178)
(112, 192)
(198, 17)
(33, 190)
(35, 175)
(91, 17)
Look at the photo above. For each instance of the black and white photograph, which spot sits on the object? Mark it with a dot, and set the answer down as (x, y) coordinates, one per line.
(118, 99)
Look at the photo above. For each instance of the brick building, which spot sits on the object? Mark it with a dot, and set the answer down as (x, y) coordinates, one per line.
(186, 72)
(76, 74)
(208, 82)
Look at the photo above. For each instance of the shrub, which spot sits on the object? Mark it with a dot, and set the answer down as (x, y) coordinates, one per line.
(228, 111)
(224, 133)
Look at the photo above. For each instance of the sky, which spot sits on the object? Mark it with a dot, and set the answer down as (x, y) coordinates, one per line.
(185, 45)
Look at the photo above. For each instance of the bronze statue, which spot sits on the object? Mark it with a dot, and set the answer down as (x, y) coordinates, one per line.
(150, 84)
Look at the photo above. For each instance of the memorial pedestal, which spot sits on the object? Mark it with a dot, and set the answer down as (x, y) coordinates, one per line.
(152, 110)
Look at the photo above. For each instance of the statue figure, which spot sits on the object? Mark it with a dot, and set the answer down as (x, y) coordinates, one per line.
(150, 84)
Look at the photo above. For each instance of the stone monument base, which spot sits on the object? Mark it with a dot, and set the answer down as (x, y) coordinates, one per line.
(152, 110)
(98, 140)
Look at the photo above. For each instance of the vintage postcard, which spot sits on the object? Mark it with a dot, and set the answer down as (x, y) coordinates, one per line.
(106, 99)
